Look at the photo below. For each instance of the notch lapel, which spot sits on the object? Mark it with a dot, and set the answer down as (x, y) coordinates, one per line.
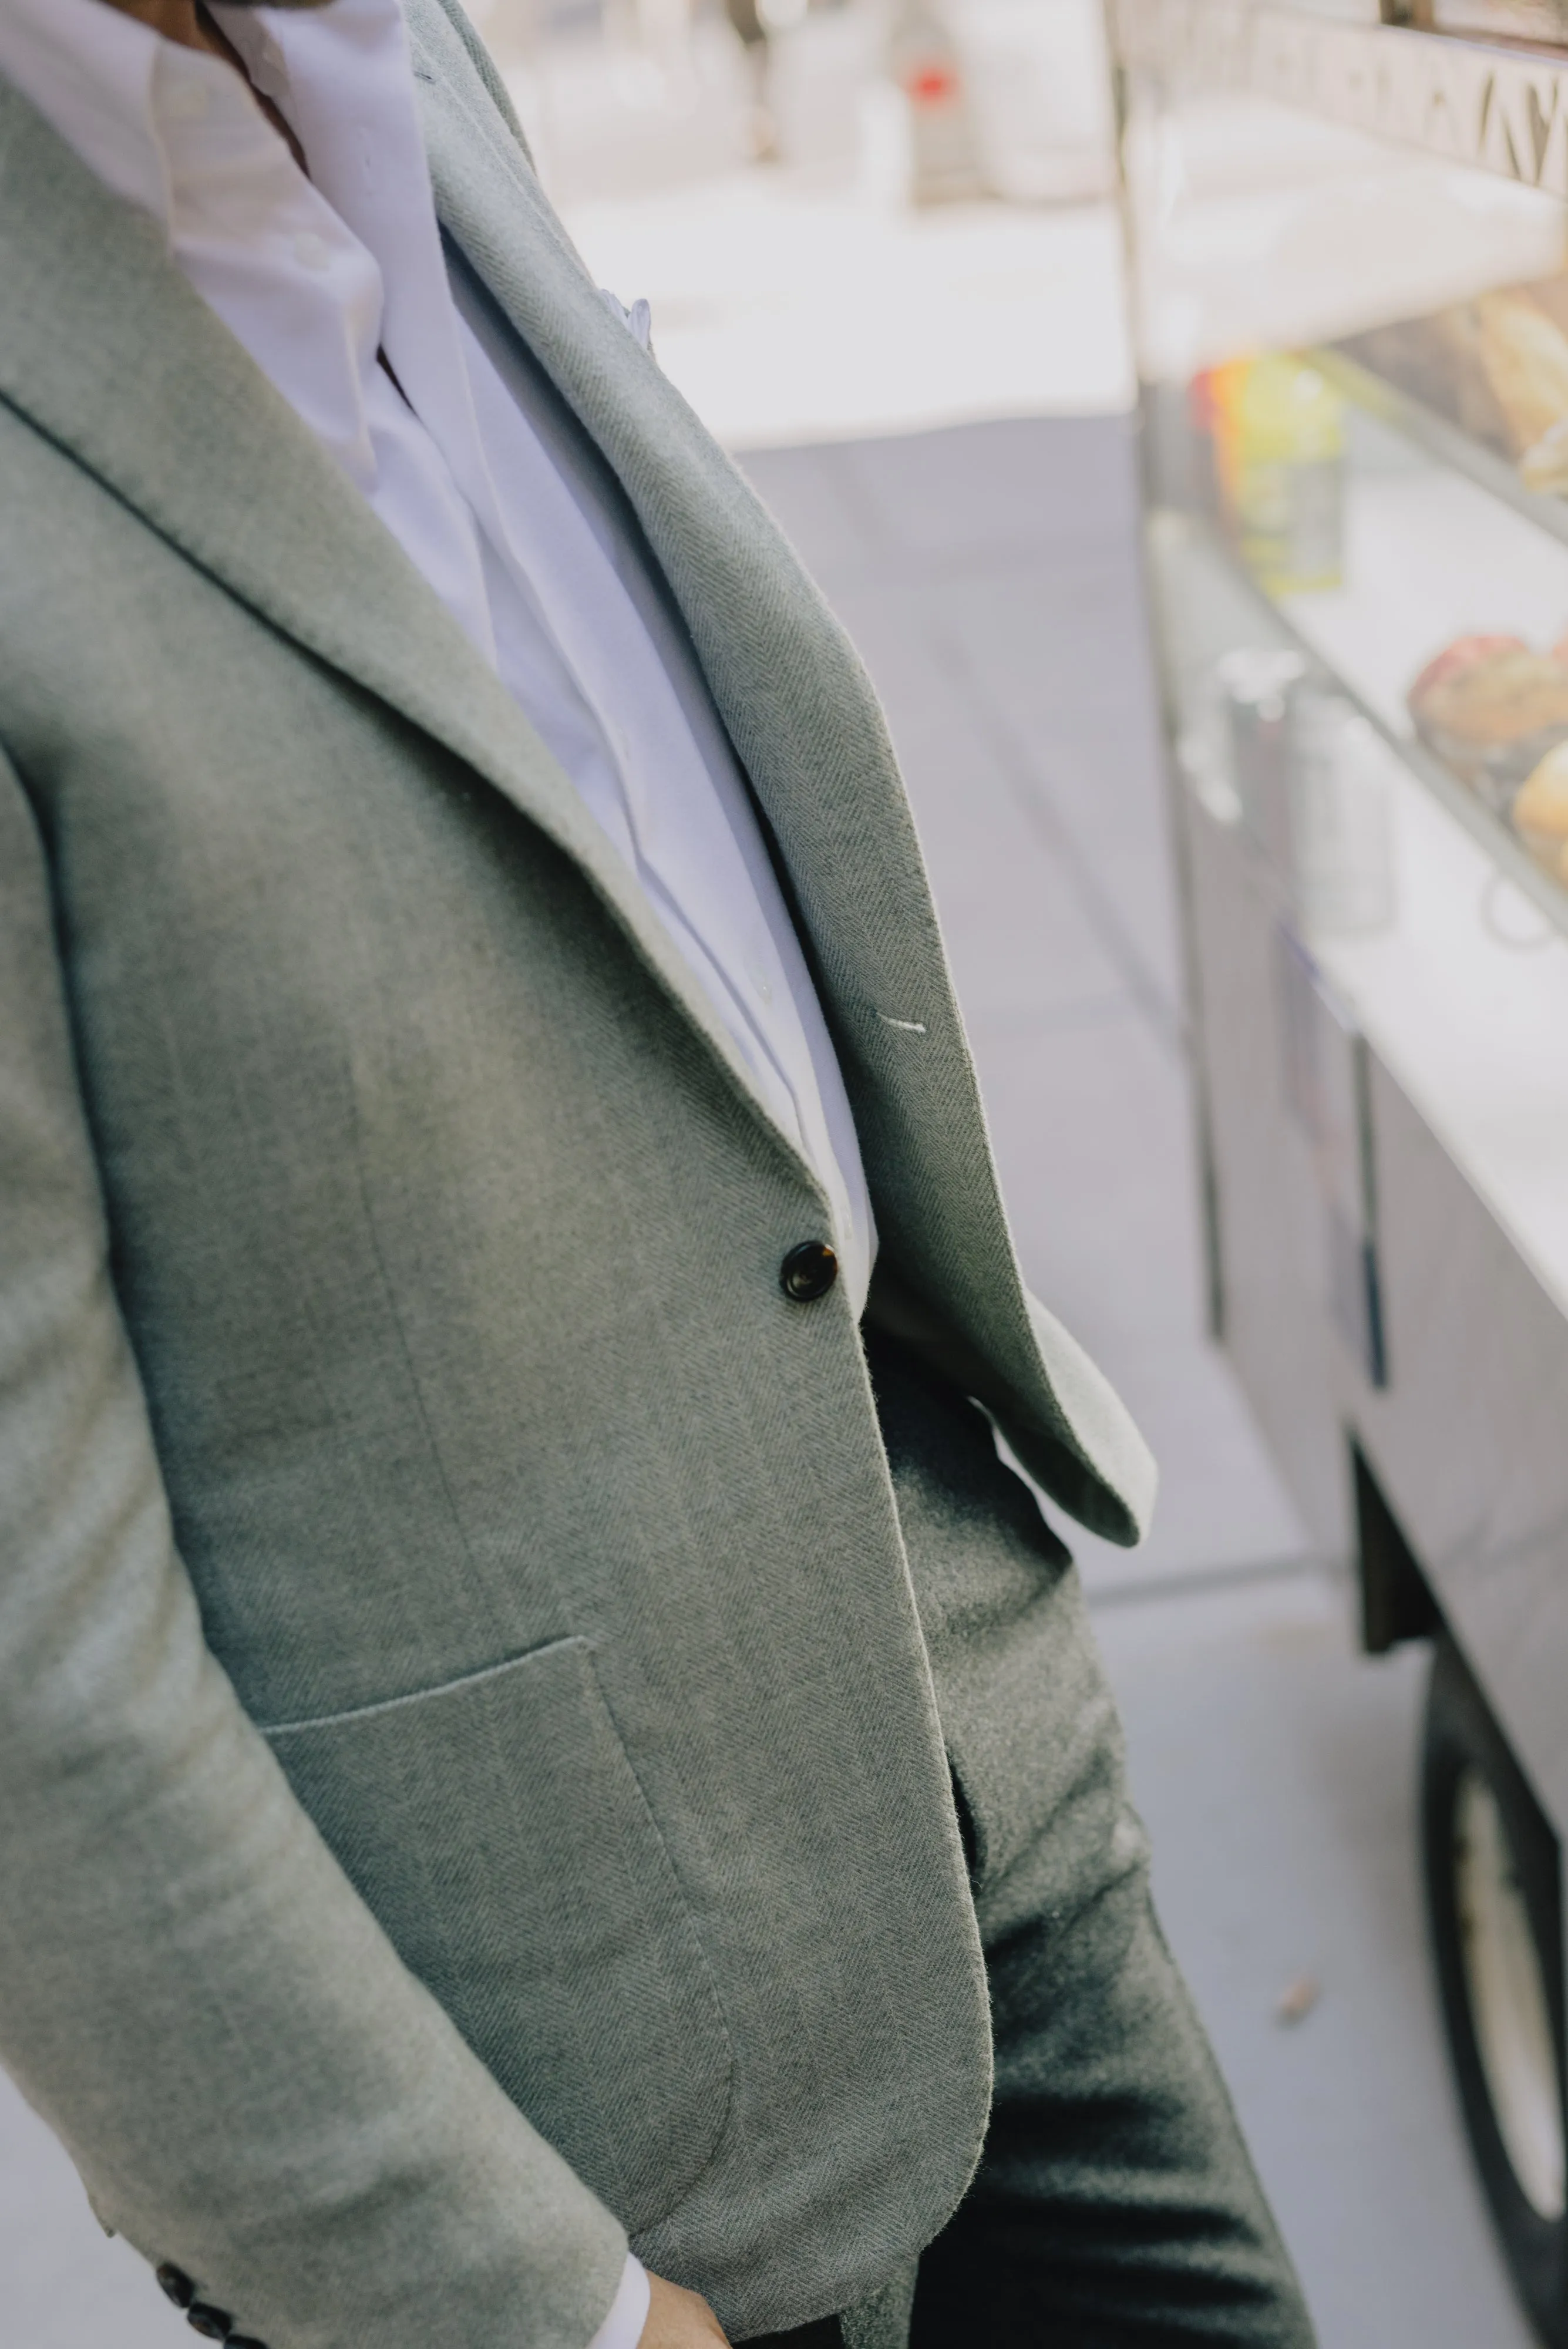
(809, 733)
(109, 352)
(793, 694)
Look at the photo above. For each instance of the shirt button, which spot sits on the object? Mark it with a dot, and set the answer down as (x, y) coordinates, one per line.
(808, 1272)
(187, 101)
(312, 251)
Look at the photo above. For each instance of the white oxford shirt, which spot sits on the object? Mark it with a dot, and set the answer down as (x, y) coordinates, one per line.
(317, 277)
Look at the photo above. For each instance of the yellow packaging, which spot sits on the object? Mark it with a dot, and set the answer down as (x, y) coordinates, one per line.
(1278, 429)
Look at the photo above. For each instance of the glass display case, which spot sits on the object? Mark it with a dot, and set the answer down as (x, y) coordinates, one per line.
(1349, 267)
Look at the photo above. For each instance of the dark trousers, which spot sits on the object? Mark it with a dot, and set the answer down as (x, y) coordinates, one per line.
(1115, 2206)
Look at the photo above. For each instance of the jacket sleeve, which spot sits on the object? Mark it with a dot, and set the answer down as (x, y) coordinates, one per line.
(191, 1993)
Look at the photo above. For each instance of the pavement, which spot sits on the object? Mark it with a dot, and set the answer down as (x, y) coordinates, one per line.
(788, 310)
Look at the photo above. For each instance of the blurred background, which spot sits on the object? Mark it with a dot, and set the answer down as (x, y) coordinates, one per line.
(849, 220)
(884, 255)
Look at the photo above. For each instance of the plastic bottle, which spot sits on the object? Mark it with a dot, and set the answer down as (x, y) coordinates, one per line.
(944, 153)
(1342, 859)
(1280, 442)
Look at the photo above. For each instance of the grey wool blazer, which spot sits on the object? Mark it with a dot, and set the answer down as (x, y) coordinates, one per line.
(471, 1785)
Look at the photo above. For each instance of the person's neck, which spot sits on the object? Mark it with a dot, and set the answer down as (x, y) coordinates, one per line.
(187, 23)
(177, 20)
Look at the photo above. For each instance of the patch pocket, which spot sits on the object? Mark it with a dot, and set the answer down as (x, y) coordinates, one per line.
(496, 1830)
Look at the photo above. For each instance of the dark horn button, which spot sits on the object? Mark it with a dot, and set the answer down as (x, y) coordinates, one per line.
(212, 2323)
(808, 1272)
(175, 2282)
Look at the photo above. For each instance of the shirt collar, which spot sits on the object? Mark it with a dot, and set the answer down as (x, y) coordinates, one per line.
(353, 104)
(88, 69)
(344, 78)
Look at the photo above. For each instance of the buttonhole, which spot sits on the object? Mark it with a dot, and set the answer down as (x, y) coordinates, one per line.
(909, 1027)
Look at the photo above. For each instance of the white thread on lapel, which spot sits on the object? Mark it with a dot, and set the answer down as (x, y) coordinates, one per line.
(909, 1027)
(638, 321)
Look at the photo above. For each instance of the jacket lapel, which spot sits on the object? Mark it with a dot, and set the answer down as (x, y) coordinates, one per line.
(799, 708)
(807, 725)
(797, 703)
(109, 352)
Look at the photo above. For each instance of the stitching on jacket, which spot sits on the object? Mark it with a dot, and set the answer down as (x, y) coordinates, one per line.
(357, 1713)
